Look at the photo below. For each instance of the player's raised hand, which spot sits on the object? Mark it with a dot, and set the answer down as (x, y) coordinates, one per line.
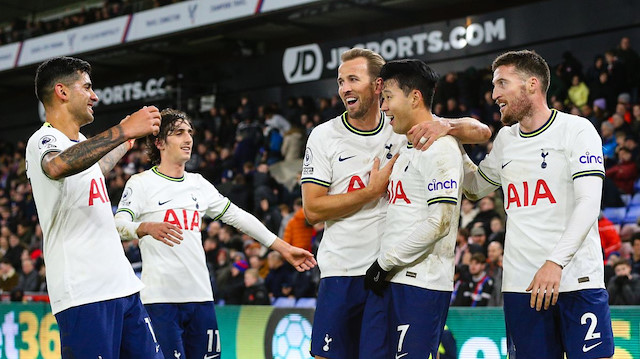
(424, 134)
(142, 122)
(545, 286)
(166, 233)
(301, 259)
(379, 177)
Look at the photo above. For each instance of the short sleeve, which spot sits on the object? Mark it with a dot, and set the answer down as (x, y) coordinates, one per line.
(133, 198)
(316, 165)
(585, 152)
(217, 204)
(441, 167)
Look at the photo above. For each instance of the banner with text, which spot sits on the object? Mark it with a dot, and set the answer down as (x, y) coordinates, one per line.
(78, 40)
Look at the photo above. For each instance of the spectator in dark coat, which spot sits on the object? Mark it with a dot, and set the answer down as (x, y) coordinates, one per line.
(624, 288)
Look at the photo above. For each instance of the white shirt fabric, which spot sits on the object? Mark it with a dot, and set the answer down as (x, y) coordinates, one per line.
(82, 249)
(178, 274)
(422, 218)
(548, 217)
(339, 156)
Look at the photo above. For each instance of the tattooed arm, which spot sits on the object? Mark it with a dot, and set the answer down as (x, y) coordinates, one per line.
(111, 159)
(83, 155)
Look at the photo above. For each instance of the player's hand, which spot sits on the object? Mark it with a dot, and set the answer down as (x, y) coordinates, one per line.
(375, 279)
(166, 233)
(424, 134)
(141, 123)
(545, 286)
(301, 259)
(379, 177)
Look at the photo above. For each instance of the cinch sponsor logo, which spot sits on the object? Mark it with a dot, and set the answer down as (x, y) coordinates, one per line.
(437, 185)
(587, 158)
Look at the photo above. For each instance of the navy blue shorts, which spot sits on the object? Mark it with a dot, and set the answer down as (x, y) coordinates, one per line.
(416, 320)
(186, 330)
(344, 311)
(579, 324)
(116, 328)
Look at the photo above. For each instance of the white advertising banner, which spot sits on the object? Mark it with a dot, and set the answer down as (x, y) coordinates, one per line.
(78, 40)
(271, 5)
(8, 55)
(187, 15)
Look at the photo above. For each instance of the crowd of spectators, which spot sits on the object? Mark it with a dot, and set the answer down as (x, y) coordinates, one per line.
(253, 154)
(21, 29)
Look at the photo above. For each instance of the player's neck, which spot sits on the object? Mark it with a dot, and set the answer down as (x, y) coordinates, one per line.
(369, 121)
(540, 114)
(421, 115)
(60, 122)
(175, 170)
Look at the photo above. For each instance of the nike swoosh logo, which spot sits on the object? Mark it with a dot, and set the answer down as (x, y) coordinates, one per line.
(401, 355)
(377, 277)
(161, 203)
(211, 356)
(345, 158)
(505, 165)
(586, 348)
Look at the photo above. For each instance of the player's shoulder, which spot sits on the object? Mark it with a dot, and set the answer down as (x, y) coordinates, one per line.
(43, 136)
(573, 122)
(326, 128)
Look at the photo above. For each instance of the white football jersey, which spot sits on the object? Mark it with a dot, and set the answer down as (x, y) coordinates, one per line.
(536, 171)
(419, 181)
(340, 157)
(82, 249)
(175, 274)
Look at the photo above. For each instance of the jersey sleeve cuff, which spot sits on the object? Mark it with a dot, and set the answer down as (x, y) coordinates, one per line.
(597, 173)
(315, 181)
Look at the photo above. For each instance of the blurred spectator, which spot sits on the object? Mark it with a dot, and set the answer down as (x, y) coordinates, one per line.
(29, 279)
(233, 290)
(625, 172)
(624, 287)
(608, 140)
(8, 276)
(255, 293)
(635, 253)
(468, 212)
(298, 232)
(608, 236)
(478, 241)
(494, 270)
(475, 289)
(293, 144)
(278, 281)
(578, 92)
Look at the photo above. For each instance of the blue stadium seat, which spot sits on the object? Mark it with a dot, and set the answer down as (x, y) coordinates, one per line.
(306, 303)
(636, 187)
(615, 214)
(635, 200)
(284, 302)
(632, 214)
(626, 198)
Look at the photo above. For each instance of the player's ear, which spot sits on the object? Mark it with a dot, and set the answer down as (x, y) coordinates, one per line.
(61, 91)
(159, 143)
(416, 98)
(378, 85)
(532, 84)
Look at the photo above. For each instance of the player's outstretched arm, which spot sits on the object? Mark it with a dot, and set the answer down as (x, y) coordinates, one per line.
(302, 260)
(85, 154)
(320, 206)
(474, 185)
(466, 130)
(166, 233)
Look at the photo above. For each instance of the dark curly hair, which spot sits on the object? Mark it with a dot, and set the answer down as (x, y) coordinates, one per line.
(171, 119)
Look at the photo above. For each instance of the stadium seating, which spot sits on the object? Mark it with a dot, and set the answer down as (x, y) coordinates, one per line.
(635, 200)
(632, 214)
(306, 303)
(284, 302)
(615, 214)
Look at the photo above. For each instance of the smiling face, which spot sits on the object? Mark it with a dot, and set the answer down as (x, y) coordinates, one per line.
(178, 144)
(397, 106)
(356, 88)
(81, 98)
(509, 92)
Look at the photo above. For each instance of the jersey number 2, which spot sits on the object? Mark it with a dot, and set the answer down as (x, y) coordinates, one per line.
(592, 327)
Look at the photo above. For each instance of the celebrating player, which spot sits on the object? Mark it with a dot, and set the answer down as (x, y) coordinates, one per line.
(163, 207)
(549, 165)
(344, 185)
(92, 287)
(424, 195)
